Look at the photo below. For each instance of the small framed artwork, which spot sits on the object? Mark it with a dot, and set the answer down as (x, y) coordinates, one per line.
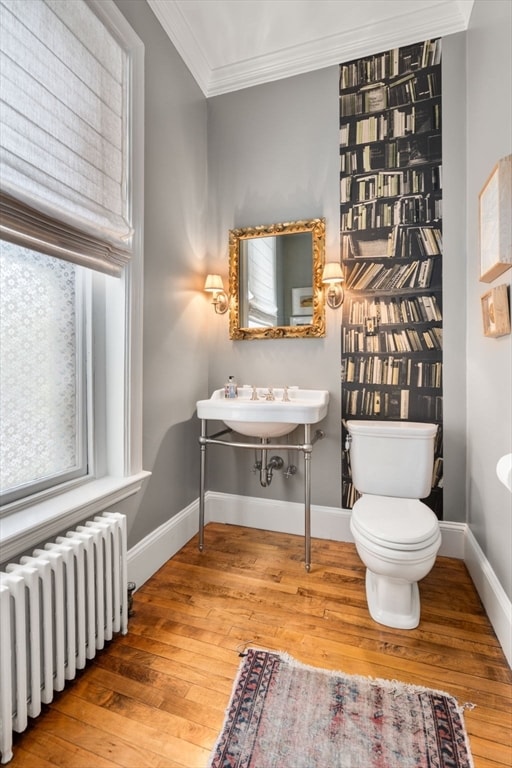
(302, 301)
(496, 311)
(495, 226)
(301, 319)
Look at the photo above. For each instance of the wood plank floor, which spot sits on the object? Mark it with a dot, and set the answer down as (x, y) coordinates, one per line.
(156, 698)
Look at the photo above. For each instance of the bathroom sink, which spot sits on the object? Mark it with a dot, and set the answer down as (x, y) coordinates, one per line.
(265, 418)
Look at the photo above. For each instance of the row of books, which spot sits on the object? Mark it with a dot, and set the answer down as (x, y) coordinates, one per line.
(392, 404)
(377, 96)
(376, 276)
(376, 214)
(416, 309)
(397, 122)
(390, 64)
(414, 87)
(437, 472)
(390, 184)
(430, 407)
(402, 242)
(391, 154)
(397, 340)
(391, 371)
(349, 495)
(416, 241)
(395, 404)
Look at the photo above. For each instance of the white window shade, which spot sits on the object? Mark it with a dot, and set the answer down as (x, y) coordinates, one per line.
(261, 262)
(63, 128)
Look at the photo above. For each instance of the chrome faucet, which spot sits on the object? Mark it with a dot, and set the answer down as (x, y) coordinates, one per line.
(270, 394)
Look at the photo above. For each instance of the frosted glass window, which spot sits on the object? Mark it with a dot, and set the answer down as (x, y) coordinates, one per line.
(41, 414)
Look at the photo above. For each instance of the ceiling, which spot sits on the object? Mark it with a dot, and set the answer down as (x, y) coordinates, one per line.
(233, 44)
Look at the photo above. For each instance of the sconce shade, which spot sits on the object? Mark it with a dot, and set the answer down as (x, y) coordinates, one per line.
(333, 277)
(332, 273)
(213, 283)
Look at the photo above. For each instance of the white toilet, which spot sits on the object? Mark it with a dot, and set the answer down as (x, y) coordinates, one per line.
(396, 535)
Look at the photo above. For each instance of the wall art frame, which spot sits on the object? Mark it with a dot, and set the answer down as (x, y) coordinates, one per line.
(302, 301)
(496, 312)
(494, 218)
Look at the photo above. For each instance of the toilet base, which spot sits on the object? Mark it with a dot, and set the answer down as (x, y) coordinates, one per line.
(393, 602)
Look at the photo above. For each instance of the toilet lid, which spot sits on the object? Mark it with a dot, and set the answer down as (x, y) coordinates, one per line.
(395, 523)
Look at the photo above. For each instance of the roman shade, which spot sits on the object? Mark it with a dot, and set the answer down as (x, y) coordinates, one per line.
(64, 139)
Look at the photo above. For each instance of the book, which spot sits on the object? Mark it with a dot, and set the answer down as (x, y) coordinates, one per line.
(374, 97)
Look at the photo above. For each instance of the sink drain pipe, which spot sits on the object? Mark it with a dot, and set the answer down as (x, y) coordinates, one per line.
(267, 470)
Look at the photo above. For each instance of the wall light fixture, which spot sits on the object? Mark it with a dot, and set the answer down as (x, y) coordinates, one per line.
(213, 284)
(332, 276)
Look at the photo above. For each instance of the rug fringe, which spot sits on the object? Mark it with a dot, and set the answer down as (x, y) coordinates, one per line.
(389, 684)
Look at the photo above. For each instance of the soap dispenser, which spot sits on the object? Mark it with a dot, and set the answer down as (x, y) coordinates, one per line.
(230, 388)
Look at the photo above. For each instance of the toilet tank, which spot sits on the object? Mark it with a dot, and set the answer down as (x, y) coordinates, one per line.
(392, 458)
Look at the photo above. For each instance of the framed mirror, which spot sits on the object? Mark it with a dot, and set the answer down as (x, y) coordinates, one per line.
(275, 281)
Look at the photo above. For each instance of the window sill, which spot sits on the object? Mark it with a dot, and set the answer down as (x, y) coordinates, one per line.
(25, 528)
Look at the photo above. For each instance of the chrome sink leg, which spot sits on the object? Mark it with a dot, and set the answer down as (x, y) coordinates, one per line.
(307, 496)
(202, 442)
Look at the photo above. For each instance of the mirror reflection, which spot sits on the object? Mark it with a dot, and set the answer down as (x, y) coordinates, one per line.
(275, 280)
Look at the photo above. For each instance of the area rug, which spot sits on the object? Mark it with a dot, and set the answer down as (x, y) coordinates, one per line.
(283, 714)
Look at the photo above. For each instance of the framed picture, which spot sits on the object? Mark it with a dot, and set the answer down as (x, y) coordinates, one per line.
(495, 226)
(496, 311)
(301, 319)
(302, 301)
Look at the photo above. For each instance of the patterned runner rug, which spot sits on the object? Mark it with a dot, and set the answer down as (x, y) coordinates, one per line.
(283, 714)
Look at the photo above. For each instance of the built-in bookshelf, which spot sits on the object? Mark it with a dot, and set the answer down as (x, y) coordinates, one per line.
(391, 242)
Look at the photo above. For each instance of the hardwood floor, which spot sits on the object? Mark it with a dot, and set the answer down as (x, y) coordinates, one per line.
(156, 698)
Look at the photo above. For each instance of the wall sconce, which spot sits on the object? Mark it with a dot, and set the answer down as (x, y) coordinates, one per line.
(333, 277)
(213, 284)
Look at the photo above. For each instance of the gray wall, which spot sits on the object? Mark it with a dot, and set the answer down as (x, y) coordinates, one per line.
(273, 157)
(175, 350)
(489, 361)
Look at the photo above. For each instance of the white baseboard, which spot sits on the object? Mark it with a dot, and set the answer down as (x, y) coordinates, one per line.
(326, 522)
(495, 601)
(149, 554)
(146, 557)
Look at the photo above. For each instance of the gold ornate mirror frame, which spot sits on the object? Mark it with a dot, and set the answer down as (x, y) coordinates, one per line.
(317, 326)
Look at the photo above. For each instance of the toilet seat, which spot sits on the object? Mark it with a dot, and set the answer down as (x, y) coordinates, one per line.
(395, 523)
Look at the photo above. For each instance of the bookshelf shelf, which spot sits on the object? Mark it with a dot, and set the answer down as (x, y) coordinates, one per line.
(391, 191)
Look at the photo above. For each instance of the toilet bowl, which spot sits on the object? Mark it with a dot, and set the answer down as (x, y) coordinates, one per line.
(396, 535)
(397, 540)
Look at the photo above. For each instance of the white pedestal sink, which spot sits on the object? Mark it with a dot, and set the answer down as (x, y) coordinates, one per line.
(264, 413)
(265, 418)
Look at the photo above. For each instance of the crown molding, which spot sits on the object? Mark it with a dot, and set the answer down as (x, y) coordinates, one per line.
(181, 35)
(444, 18)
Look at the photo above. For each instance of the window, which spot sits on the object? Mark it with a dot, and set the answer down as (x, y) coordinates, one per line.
(71, 159)
(262, 287)
(42, 404)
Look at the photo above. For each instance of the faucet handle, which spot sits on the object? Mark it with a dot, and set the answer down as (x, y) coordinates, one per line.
(270, 394)
(286, 399)
(254, 394)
